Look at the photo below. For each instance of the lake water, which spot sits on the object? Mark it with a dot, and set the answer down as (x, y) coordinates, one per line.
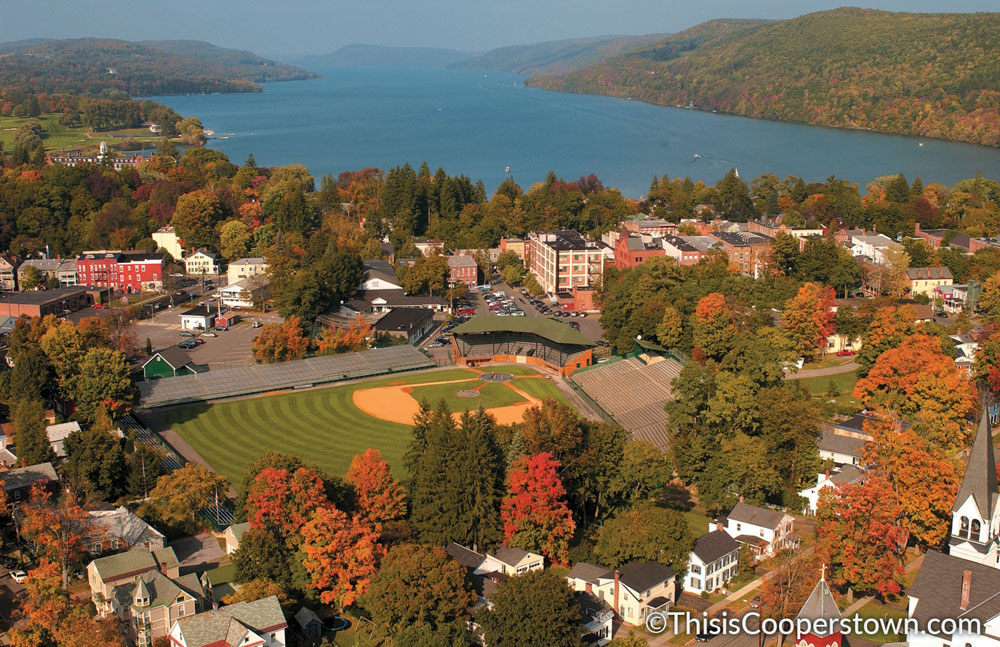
(479, 124)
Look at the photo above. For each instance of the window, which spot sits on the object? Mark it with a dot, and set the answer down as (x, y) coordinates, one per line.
(696, 569)
(963, 530)
(976, 526)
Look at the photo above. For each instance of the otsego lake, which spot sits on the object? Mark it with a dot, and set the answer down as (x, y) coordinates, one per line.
(479, 123)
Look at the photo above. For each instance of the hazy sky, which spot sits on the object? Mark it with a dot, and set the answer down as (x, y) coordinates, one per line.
(274, 27)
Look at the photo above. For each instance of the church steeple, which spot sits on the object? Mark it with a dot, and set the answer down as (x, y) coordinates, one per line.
(980, 481)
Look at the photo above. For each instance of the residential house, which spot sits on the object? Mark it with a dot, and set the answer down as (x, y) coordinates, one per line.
(18, 482)
(260, 623)
(8, 274)
(429, 246)
(636, 249)
(167, 240)
(232, 536)
(119, 529)
(633, 590)
(823, 616)
(689, 250)
(218, 583)
(872, 246)
(7, 457)
(411, 324)
(842, 450)
(597, 619)
(712, 562)
(309, 623)
(561, 260)
(767, 532)
(967, 345)
(829, 479)
(924, 280)
(379, 275)
(964, 583)
(513, 561)
(244, 268)
(169, 362)
(854, 427)
(57, 436)
(201, 317)
(145, 591)
(61, 270)
(246, 293)
(463, 270)
(203, 261)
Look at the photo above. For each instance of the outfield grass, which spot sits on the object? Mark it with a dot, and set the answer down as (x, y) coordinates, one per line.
(512, 369)
(321, 426)
(490, 395)
(541, 389)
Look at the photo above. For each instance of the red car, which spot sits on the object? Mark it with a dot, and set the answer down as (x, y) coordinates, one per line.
(847, 352)
(198, 341)
(467, 311)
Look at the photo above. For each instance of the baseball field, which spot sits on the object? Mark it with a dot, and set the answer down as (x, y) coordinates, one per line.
(328, 426)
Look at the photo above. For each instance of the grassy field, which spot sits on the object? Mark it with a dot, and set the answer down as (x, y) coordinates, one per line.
(57, 137)
(323, 426)
(818, 386)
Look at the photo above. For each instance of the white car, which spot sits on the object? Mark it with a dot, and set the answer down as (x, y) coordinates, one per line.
(18, 576)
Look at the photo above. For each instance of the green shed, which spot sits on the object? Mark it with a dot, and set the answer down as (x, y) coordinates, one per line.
(169, 362)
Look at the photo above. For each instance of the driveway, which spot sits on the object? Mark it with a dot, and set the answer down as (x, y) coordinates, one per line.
(199, 553)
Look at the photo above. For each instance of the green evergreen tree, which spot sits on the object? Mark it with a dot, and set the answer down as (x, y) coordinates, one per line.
(30, 437)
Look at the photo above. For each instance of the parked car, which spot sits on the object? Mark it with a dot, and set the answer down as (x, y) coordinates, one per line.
(208, 334)
(100, 306)
(198, 341)
(847, 352)
(710, 632)
(255, 324)
(221, 328)
(187, 344)
(186, 333)
(19, 576)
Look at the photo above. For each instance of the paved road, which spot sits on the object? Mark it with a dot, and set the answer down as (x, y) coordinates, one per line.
(823, 372)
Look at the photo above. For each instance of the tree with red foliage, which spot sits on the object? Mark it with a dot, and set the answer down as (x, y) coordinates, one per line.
(712, 325)
(57, 527)
(808, 318)
(283, 501)
(986, 368)
(343, 339)
(917, 378)
(534, 513)
(923, 477)
(379, 497)
(341, 555)
(281, 342)
(861, 530)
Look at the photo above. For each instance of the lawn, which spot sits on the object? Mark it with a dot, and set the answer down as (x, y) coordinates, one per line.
(321, 426)
(818, 386)
(57, 137)
(879, 611)
(490, 395)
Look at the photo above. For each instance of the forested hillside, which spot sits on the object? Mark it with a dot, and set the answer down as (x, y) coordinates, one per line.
(93, 66)
(368, 55)
(555, 57)
(933, 75)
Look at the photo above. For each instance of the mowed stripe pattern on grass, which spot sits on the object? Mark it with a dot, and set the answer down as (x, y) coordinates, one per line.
(321, 426)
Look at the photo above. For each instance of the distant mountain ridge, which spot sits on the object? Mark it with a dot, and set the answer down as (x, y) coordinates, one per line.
(932, 75)
(107, 66)
(555, 57)
(370, 55)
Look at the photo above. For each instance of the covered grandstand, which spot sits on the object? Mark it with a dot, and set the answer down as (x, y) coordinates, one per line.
(525, 340)
(246, 380)
(634, 393)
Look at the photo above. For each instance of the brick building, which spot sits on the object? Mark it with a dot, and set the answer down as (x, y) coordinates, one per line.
(633, 249)
(463, 269)
(562, 260)
(38, 303)
(121, 271)
(747, 251)
(689, 250)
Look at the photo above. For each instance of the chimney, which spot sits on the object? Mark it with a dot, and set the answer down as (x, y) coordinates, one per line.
(828, 474)
(966, 588)
(916, 228)
(718, 525)
(616, 590)
(590, 588)
(741, 498)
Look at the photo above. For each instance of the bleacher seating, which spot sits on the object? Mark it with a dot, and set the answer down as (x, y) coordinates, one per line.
(634, 394)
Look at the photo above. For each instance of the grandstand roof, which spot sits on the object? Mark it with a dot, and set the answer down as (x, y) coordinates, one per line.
(541, 326)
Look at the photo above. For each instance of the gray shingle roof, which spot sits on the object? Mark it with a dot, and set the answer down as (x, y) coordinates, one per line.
(133, 562)
(588, 572)
(27, 476)
(746, 513)
(464, 556)
(839, 444)
(713, 545)
(509, 555)
(175, 356)
(820, 604)
(980, 480)
(261, 616)
(938, 589)
(641, 576)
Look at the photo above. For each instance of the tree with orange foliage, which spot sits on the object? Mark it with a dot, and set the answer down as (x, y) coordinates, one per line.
(888, 328)
(281, 342)
(783, 594)
(861, 530)
(344, 339)
(56, 527)
(917, 378)
(986, 368)
(282, 502)
(808, 318)
(924, 479)
(341, 555)
(50, 619)
(534, 513)
(379, 497)
(712, 325)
